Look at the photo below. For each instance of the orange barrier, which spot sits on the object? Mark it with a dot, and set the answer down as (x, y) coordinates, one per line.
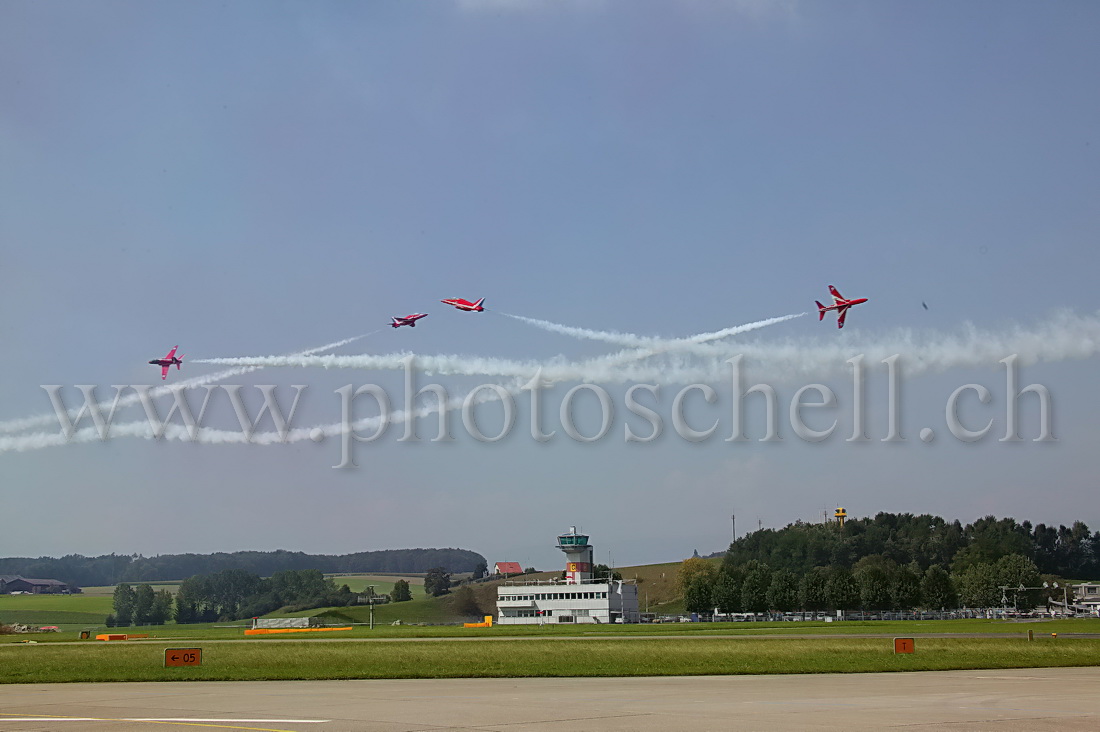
(487, 624)
(120, 636)
(270, 631)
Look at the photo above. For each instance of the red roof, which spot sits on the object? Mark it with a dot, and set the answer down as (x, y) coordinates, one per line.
(508, 568)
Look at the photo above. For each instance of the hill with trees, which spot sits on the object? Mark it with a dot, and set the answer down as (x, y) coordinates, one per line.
(926, 540)
(892, 562)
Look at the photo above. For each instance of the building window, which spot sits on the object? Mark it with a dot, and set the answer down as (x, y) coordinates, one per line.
(565, 618)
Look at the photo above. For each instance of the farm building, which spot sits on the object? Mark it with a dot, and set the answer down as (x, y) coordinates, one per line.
(10, 584)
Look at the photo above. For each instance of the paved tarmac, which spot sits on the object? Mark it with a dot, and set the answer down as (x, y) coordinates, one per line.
(1018, 699)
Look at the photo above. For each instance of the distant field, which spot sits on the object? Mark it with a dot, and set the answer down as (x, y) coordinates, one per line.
(530, 657)
(418, 610)
(383, 584)
(54, 609)
(109, 590)
(357, 581)
(658, 591)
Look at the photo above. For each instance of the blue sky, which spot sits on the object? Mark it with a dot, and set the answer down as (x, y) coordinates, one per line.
(255, 178)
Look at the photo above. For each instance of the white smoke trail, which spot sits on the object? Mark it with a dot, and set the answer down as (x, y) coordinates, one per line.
(469, 365)
(208, 436)
(1061, 337)
(518, 370)
(42, 420)
(630, 340)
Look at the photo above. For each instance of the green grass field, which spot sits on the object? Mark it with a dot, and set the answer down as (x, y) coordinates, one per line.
(383, 583)
(420, 609)
(59, 610)
(46, 663)
(235, 631)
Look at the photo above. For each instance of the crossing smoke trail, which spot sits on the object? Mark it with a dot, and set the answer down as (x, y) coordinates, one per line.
(487, 366)
(43, 420)
(1063, 336)
(521, 372)
(630, 340)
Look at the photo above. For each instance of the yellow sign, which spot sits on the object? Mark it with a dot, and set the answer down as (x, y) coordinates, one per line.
(182, 657)
(572, 566)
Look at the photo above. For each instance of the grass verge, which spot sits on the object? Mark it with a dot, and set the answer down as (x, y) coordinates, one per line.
(339, 616)
(526, 658)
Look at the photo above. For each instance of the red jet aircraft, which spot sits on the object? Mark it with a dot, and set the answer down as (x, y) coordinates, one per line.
(461, 304)
(840, 305)
(409, 320)
(167, 361)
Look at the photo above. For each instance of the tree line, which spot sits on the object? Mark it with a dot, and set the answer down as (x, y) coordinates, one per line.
(874, 584)
(925, 540)
(892, 562)
(231, 594)
(112, 569)
(236, 594)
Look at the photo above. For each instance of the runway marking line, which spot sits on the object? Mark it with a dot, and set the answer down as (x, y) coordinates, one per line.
(184, 721)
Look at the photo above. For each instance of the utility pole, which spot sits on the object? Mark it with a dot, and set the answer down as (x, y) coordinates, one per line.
(733, 519)
(370, 599)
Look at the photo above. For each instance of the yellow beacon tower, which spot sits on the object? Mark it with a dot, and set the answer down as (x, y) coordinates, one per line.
(840, 515)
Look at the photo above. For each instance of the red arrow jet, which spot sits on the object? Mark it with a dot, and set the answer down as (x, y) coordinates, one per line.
(840, 305)
(409, 320)
(461, 304)
(167, 361)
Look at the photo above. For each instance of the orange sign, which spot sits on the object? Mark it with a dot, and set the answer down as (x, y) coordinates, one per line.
(903, 645)
(182, 656)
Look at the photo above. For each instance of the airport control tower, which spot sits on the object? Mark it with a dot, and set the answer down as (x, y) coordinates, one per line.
(578, 556)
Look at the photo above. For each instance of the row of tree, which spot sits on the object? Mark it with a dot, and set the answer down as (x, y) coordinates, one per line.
(875, 583)
(231, 594)
(235, 594)
(111, 569)
(923, 540)
(141, 606)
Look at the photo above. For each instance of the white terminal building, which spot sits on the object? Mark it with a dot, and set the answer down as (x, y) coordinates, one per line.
(575, 599)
